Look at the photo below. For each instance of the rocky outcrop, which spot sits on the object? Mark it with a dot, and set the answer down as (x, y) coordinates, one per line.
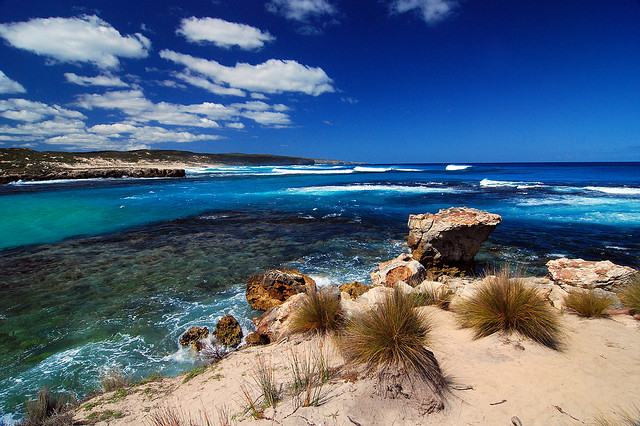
(275, 286)
(354, 289)
(603, 275)
(193, 336)
(402, 268)
(447, 242)
(228, 331)
(90, 174)
(271, 326)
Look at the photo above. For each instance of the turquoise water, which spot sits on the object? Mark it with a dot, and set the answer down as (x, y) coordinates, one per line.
(109, 273)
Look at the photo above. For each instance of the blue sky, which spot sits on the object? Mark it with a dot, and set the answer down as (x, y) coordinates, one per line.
(369, 80)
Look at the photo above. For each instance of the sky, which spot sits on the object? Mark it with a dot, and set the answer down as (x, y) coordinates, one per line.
(380, 81)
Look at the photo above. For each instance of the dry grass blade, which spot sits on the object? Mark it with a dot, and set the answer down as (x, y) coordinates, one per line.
(49, 409)
(588, 303)
(264, 376)
(620, 417)
(630, 296)
(390, 340)
(319, 313)
(168, 416)
(505, 303)
(440, 297)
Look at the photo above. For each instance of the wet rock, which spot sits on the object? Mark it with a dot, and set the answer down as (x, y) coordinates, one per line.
(447, 242)
(403, 268)
(603, 275)
(193, 336)
(354, 289)
(275, 286)
(228, 331)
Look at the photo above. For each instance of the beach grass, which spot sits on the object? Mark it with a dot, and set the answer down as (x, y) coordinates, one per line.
(319, 313)
(51, 409)
(264, 376)
(630, 296)
(440, 297)
(588, 303)
(504, 303)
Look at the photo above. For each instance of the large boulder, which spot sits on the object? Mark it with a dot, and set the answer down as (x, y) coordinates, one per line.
(193, 337)
(604, 275)
(275, 286)
(228, 331)
(447, 242)
(402, 268)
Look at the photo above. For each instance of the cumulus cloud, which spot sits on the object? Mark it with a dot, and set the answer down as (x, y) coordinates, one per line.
(9, 86)
(272, 76)
(223, 33)
(101, 80)
(431, 11)
(235, 125)
(207, 85)
(30, 111)
(82, 39)
(268, 118)
(301, 10)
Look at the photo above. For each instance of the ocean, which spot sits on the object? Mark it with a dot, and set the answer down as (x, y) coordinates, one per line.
(104, 274)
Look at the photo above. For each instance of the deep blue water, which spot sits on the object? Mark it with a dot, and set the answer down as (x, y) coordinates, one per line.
(109, 273)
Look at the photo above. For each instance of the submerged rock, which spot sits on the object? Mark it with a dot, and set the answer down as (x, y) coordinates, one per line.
(355, 289)
(228, 331)
(402, 268)
(603, 275)
(447, 242)
(193, 336)
(275, 286)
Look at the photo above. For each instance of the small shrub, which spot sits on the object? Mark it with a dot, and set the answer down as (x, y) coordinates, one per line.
(630, 296)
(264, 376)
(390, 341)
(506, 303)
(588, 303)
(319, 313)
(440, 297)
(113, 379)
(49, 409)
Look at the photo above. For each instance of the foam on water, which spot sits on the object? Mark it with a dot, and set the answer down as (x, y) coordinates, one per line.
(372, 169)
(309, 171)
(454, 167)
(329, 190)
(615, 190)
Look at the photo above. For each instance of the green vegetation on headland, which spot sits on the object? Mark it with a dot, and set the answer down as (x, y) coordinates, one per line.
(27, 164)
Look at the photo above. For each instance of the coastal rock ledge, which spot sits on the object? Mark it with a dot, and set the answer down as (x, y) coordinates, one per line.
(275, 286)
(446, 242)
(604, 275)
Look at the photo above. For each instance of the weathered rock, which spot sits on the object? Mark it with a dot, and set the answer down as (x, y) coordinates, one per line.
(192, 337)
(355, 289)
(273, 323)
(403, 268)
(604, 275)
(365, 302)
(275, 286)
(228, 331)
(447, 242)
(403, 287)
(256, 339)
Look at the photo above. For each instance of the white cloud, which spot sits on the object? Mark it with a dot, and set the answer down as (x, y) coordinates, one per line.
(9, 86)
(30, 111)
(258, 96)
(205, 84)
(431, 11)
(268, 118)
(83, 39)
(100, 80)
(223, 33)
(301, 10)
(272, 76)
(56, 126)
(235, 125)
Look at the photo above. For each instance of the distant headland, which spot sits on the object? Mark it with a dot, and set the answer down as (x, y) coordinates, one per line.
(27, 164)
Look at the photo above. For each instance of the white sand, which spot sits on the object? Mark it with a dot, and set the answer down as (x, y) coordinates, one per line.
(596, 372)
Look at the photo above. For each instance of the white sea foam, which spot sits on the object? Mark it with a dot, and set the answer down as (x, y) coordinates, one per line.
(322, 280)
(321, 190)
(297, 171)
(488, 183)
(372, 169)
(453, 167)
(616, 190)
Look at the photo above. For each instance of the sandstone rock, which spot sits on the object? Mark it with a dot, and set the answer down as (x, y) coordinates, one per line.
(403, 287)
(428, 286)
(365, 302)
(256, 339)
(403, 268)
(192, 337)
(275, 286)
(228, 332)
(272, 324)
(604, 275)
(447, 242)
(355, 289)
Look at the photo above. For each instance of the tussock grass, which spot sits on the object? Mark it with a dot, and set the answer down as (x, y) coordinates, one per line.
(49, 409)
(630, 296)
(389, 341)
(506, 304)
(309, 373)
(319, 313)
(168, 416)
(113, 379)
(440, 297)
(622, 417)
(588, 303)
(264, 376)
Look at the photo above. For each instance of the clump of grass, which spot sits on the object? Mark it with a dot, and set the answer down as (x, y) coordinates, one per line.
(309, 373)
(622, 417)
(588, 303)
(630, 296)
(440, 297)
(389, 341)
(506, 304)
(264, 376)
(174, 417)
(113, 379)
(319, 313)
(194, 372)
(49, 409)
